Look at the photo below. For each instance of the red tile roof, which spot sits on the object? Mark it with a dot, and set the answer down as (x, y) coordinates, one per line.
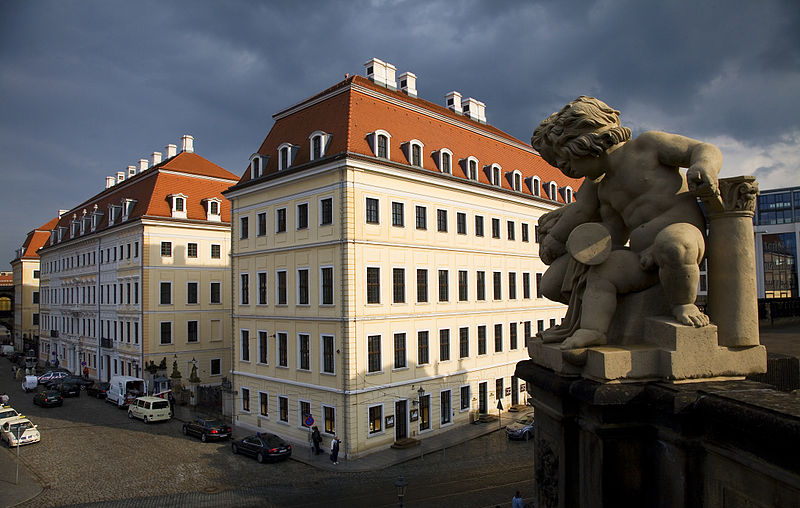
(37, 238)
(186, 173)
(355, 107)
(6, 279)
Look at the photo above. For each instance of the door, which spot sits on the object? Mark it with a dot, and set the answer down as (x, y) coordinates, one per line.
(400, 420)
(514, 390)
(482, 397)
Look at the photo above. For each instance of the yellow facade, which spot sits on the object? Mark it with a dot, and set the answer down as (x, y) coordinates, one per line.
(26, 301)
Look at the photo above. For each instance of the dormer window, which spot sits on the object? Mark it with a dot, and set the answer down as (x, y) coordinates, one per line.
(567, 194)
(256, 166)
(212, 206)
(286, 153)
(471, 168)
(494, 174)
(319, 144)
(516, 180)
(178, 205)
(96, 216)
(127, 208)
(114, 212)
(445, 161)
(552, 191)
(380, 144)
(535, 186)
(413, 151)
(76, 226)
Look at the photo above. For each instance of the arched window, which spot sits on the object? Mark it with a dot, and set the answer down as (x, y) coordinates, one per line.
(471, 168)
(568, 195)
(552, 191)
(286, 153)
(318, 143)
(516, 180)
(446, 162)
(536, 186)
(413, 150)
(380, 144)
(383, 146)
(494, 172)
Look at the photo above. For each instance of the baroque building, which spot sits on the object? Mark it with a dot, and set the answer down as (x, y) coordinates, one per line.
(139, 272)
(385, 265)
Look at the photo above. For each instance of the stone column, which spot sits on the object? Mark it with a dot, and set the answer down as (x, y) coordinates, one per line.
(732, 297)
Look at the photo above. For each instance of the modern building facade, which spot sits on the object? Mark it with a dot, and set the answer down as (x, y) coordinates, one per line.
(139, 273)
(385, 265)
(25, 269)
(776, 225)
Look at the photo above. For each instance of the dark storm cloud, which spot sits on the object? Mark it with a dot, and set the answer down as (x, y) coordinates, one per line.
(89, 87)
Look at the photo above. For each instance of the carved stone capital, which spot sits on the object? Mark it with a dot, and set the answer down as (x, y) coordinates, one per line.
(736, 195)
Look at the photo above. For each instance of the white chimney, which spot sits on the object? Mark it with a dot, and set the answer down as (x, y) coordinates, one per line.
(187, 143)
(408, 83)
(142, 165)
(474, 109)
(453, 101)
(156, 158)
(131, 171)
(382, 73)
(120, 176)
(171, 151)
(110, 182)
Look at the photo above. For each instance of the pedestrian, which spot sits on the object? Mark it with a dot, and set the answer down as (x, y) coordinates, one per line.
(316, 438)
(86, 372)
(171, 399)
(335, 449)
(517, 502)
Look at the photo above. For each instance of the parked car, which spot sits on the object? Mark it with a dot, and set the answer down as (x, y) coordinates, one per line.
(149, 409)
(207, 428)
(19, 431)
(522, 428)
(82, 382)
(7, 413)
(263, 446)
(98, 389)
(48, 398)
(51, 375)
(68, 389)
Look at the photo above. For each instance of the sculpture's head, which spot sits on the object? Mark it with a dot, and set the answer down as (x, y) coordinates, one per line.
(586, 127)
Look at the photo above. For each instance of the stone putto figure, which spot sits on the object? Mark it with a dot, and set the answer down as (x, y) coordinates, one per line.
(635, 222)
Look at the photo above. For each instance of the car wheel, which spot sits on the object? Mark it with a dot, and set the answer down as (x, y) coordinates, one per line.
(130, 415)
(260, 458)
(203, 437)
(185, 431)
(234, 448)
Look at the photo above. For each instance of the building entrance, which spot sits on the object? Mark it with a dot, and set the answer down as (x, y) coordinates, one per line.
(400, 420)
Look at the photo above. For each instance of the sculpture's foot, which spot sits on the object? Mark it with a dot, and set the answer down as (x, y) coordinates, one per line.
(584, 337)
(690, 315)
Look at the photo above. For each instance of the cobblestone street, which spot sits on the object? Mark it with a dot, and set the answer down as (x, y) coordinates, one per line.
(91, 453)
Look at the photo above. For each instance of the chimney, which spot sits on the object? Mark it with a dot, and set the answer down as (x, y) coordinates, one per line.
(408, 83)
(110, 182)
(381, 73)
(131, 171)
(453, 101)
(171, 151)
(156, 158)
(120, 176)
(187, 143)
(474, 109)
(142, 165)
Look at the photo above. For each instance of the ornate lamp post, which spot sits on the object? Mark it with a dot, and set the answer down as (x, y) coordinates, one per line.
(401, 485)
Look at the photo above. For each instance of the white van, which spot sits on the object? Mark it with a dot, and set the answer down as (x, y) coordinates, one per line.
(149, 409)
(124, 389)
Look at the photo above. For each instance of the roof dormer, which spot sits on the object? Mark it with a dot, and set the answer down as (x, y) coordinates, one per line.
(213, 207)
(318, 144)
(444, 160)
(535, 185)
(552, 190)
(470, 167)
(286, 154)
(127, 208)
(258, 165)
(515, 180)
(96, 216)
(178, 205)
(493, 172)
(379, 140)
(413, 151)
(114, 214)
(567, 194)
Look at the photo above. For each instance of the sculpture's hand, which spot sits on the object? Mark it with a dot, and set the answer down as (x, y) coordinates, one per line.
(551, 249)
(701, 182)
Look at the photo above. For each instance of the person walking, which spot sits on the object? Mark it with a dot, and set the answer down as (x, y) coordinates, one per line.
(316, 438)
(171, 399)
(335, 449)
(517, 502)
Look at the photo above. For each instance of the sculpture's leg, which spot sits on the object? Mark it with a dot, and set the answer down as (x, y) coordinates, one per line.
(678, 250)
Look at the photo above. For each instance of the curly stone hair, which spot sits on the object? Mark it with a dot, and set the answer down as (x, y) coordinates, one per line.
(586, 127)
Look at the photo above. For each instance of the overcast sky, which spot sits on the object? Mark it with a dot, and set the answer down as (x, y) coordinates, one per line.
(90, 87)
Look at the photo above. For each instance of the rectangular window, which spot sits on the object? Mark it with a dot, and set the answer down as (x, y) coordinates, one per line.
(375, 417)
(191, 250)
(540, 325)
(166, 332)
(165, 293)
(446, 410)
(400, 351)
(263, 404)
(280, 220)
(498, 285)
(244, 298)
(463, 286)
(245, 345)
(35, 319)
(35, 297)
(398, 285)
(466, 397)
(283, 409)
(304, 351)
(244, 227)
(498, 338)
(263, 346)
(373, 285)
(527, 330)
(422, 348)
(525, 233)
(282, 343)
(538, 285)
(425, 412)
(511, 229)
(191, 331)
(498, 388)
(245, 399)
(478, 225)
(36, 274)
(495, 228)
(216, 292)
(421, 217)
(166, 249)
(326, 281)
(397, 214)
(302, 216)
(302, 286)
(215, 368)
(422, 285)
(135, 250)
(329, 415)
(262, 288)
(444, 289)
(305, 411)
(327, 354)
(441, 220)
(526, 285)
(444, 345)
(512, 335)
(374, 353)
(215, 251)
(326, 212)
(461, 223)
(463, 342)
(372, 211)
(262, 224)
(191, 292)
(481, 284)
(482, 340)
(512, 285)
(280, 287)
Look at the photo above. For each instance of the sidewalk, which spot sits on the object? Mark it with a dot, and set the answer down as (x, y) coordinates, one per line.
(12, 493)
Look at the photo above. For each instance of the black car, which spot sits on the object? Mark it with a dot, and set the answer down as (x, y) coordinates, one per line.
(263, 446)
(48, 398)
(98, 389)
(68, 389)
(82, 382)
(207, 428)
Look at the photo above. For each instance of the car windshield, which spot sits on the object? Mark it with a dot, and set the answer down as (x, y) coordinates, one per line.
(526, 420)
(162, 404)
(20, 427)
(272, 441)
(211, 423)
(6, 413)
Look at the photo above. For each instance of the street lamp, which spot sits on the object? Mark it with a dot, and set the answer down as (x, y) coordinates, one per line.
(401, 484)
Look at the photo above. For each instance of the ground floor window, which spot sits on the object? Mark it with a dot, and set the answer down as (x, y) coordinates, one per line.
(375, 419)
(329, 415)
(446, 408)
(465, 397)
(246, 399)
(283, 409)
(425, 412)
(305, 412)
(263, 404)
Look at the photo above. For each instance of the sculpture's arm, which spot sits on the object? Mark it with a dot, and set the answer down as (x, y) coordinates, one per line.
(555, 226)
(702, 160)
